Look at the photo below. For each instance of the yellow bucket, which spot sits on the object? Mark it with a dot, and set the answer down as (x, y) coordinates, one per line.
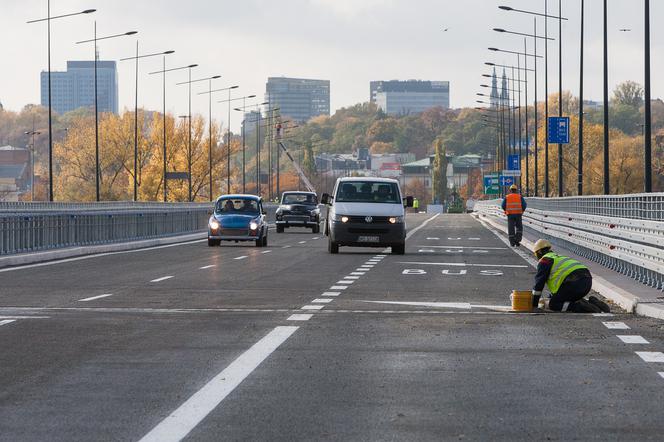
(522, 301)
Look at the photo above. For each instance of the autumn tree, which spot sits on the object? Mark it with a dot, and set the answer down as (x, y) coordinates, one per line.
(439, 172)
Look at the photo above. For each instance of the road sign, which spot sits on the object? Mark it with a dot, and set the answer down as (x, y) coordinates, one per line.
(491, 180)
(506, 180)
(558, 130)
(513, 173)
(492, 190)
(514, 162)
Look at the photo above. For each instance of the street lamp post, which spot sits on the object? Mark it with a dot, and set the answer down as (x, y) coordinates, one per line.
(48, 20)
(136, 58)
(189, 83)
(95, 40)
(607, 187)
(648, 106)
(163, 72)
(244, 141)
(32, 133)
(581, 60)
(209, 94)
(560, 18)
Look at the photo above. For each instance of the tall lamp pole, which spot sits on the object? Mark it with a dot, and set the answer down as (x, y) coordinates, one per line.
(95, 40)
(607, 187)
(189, 83)
(648, 106)
(581, 61)
(48, 20)
(136, 58)
(244, 142)
(163, 72)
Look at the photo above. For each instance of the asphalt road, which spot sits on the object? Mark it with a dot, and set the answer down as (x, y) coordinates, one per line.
(292, 343)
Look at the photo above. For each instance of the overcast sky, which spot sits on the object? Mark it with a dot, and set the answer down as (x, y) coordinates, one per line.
(349, 42)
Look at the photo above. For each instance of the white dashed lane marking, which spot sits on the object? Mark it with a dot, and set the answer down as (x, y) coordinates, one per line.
(312, 307)
(351, 277)
(266, 251)
(302, 242)
(616, 325)
(7, 321)
(163, 278)
(286, 247)
(322, 301)
(338, 287)
(461, 247)
(651, 356)
(92, 298)
(207, 267)
(661, 373)
(241, 257)
(632, 339)
(345, 282)
(358, 273)
(299, 317)
(330, 294)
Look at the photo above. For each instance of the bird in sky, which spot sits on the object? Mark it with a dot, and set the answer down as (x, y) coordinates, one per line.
(446, 29)
(625, 30)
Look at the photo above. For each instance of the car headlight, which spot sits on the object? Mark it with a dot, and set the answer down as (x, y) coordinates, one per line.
(214, 224)
(341, 218)
(253, 225)
(396, 219)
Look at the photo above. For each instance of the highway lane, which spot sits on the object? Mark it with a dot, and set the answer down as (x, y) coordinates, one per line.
(412, 347)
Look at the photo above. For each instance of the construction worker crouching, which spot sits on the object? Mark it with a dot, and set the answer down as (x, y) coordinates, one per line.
(568, 280)
(514, 205)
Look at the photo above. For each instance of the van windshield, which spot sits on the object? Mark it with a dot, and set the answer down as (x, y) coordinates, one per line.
(368, 192)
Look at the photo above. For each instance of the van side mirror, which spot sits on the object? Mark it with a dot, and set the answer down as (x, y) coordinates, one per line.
(326, 199)
(408, 201)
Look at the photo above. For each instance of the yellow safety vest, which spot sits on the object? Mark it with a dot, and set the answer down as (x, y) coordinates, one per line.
(561, 269)
(416, 204)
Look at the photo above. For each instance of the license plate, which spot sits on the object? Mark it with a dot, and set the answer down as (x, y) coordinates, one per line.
(368, 239)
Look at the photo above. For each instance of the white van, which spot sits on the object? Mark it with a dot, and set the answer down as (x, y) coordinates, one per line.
(366, 212)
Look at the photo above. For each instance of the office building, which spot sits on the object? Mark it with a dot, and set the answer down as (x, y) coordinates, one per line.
(74, 88)
(409, 97)
(298, 99)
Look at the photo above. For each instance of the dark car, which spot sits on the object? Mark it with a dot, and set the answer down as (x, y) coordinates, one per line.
(238, 218)
(298, 209)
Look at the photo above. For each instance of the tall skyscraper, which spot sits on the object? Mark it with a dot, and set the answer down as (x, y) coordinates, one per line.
(74, 88)
(297, 98)
(409, 97)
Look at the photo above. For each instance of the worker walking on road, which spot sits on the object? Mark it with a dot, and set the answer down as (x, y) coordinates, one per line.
(568, 280)
(514, 205)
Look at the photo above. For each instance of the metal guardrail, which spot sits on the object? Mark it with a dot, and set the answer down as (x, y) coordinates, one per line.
(632, 246)
(32, 227)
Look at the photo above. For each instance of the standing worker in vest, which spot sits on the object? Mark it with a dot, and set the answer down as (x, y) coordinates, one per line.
(514, 205)
(416, 205)
(568, 280)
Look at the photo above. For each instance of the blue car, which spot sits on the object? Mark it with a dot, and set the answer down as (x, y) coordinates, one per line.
(238, 218)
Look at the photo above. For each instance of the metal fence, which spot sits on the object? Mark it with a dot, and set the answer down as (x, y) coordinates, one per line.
(592, 227)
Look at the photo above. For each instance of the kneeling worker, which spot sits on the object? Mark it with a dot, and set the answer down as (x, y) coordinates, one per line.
(568, 280)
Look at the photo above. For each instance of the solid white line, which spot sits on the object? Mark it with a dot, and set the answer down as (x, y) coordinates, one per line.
(603, 315)
(412, 232)
(459, 305)
(632, 339)
(651, 356)
(616, 325)
(322, 301)
(92, 298)
(299, 317)
(180, 423)
(163, 278)
(463, 264)
(7, 321)
(312, 307)
(338, 287)
(351, 277)
(241, 257)
(330, 294)
(461, 247)
(207, 267)
(97, 255)
(266, 251)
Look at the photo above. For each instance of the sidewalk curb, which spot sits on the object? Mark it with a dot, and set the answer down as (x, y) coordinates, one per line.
(610, 291)
(72, 252)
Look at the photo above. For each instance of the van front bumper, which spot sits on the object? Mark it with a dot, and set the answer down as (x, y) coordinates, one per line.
(367, 235)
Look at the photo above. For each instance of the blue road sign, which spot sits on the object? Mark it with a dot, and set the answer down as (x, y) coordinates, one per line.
(558, 130)
(506, 180)
(490, 180)
(514, 162)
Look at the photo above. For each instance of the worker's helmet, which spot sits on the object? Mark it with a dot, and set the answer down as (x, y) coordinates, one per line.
(513, 188)
(541, 245)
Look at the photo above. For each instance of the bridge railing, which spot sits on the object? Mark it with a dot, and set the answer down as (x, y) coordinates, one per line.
(624, 233)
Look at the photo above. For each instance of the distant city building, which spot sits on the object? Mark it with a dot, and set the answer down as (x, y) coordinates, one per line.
(297, 98)
(249, 122)
(75, 87)
(397, 97)
(14, 172)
